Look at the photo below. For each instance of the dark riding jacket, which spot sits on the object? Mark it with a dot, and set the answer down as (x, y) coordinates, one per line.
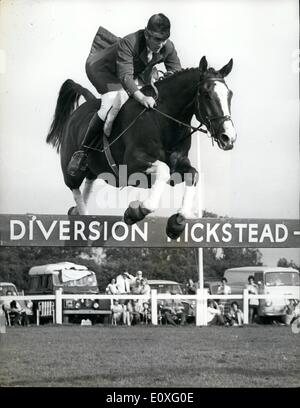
(127, 60)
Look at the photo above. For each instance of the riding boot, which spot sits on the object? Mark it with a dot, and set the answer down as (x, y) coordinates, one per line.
(79, 161)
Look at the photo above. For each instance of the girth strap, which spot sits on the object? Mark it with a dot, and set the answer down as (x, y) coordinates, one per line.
(109, 157)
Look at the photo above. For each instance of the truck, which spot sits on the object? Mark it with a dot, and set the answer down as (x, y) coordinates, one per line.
(72, 279)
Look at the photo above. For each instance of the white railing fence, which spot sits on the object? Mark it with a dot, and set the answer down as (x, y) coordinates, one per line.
(200, 299)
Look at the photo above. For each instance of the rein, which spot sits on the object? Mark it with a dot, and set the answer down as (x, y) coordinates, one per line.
(193, 128)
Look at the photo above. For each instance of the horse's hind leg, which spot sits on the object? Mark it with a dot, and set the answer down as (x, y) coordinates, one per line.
(80, 198)
(138, 210)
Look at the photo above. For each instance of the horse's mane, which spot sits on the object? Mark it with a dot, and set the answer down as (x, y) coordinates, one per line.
(209, 72)
(176, 74)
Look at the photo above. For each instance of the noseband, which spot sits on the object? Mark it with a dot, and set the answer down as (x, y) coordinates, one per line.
(207, 120)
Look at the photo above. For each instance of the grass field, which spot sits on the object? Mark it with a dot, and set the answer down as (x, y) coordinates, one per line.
(145, 356)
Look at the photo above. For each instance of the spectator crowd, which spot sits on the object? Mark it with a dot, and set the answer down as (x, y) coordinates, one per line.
(134, 311)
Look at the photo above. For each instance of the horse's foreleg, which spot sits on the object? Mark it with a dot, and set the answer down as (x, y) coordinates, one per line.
(87, 190)
(80, 203)
(186, 209)
(176, 223)
(138, 210)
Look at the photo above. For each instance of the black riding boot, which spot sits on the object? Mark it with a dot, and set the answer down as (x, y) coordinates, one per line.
(93, 136)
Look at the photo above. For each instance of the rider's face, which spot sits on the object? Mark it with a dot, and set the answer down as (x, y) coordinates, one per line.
(155, 41)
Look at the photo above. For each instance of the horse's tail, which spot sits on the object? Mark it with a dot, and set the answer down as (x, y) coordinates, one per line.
(67, 102)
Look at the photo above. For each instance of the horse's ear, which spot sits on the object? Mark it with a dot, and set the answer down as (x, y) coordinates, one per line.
(226, 69)
(203, 65)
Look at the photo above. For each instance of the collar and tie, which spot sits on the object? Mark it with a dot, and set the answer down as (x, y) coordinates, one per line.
(149, 55)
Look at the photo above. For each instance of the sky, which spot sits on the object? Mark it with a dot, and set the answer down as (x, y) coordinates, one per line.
(42, 43)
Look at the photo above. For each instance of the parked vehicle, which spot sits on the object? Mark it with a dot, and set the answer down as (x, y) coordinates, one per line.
(8, 287)
(271, 281)
(72, 279)
(174, 288)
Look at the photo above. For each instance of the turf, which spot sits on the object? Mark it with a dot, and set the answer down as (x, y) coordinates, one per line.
(145, 356)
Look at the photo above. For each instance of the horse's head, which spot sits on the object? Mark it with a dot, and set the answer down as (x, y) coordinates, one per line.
(213, 104)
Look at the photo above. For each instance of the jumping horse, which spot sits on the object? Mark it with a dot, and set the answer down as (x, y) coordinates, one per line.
(154, 142)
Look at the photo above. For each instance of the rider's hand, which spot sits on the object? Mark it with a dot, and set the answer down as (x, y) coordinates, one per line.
(146, 101)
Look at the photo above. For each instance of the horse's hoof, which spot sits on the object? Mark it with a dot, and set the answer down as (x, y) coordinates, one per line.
(135, 212)
(128, 217)
(175, 226)
(73, 211)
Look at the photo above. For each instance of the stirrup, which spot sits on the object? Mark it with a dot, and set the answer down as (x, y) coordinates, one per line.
(78, 163)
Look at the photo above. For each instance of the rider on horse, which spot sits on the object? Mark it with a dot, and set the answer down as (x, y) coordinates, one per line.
(118, 71)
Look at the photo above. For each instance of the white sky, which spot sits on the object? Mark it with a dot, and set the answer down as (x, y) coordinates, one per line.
(45, 42)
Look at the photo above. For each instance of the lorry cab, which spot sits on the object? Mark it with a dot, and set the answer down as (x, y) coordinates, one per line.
(72, 279)
(277, 282)
(69, 277)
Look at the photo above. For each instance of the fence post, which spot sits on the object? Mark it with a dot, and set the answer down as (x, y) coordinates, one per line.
(58, 306)
(246, 306)
(204, 307)
(199, 319)
(154, 307)
(2, 322)
(38, 316)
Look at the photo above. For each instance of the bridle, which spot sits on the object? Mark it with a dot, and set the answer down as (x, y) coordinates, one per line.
(207, 120)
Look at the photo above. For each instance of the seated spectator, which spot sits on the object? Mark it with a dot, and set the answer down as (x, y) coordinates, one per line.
(112, 288)
(214, 314)
(137, 312)
(235, 316)
(20, 315)
(292, 312)
(128, 312)
(146, 313)
(117, 313)
(17, 314)
(224, 289)
(173, 313)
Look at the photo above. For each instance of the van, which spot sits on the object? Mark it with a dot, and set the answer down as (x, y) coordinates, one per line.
(72, 279)
(273, 281)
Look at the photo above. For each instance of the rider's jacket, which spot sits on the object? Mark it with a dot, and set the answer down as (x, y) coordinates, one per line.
(126, 58)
